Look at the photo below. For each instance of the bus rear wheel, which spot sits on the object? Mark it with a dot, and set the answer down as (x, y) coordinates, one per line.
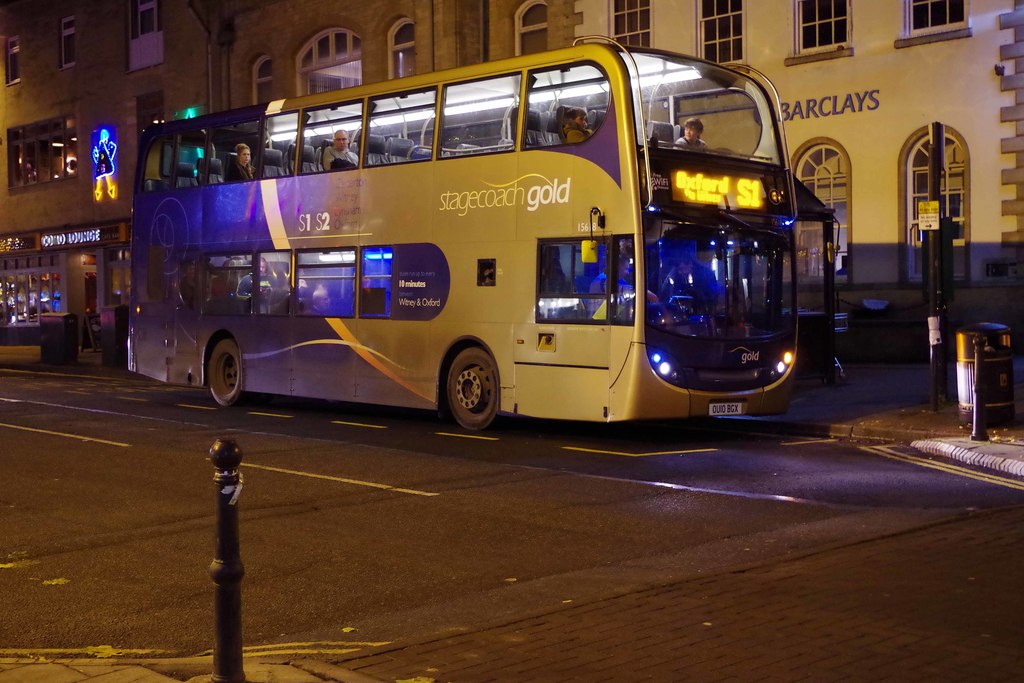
(472, 389)
(225, 373)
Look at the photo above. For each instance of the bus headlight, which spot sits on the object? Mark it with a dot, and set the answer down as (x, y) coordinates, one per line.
(783, 365)
(664, 365)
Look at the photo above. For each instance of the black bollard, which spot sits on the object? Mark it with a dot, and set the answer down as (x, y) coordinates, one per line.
(226, 570)
(978, 424)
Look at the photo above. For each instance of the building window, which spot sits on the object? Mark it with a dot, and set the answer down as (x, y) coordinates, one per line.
(954, 200)
(825, 169)
(146, 44)
(13, 69)
(631, 22)
(931, 16)
(41, 152)
(532, 28)
(262, 79)
(721, 30)
(67, 42)
(822, 24)
(403, 49)
(331, 60)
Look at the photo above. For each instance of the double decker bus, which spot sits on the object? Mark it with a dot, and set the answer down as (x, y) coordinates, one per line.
(469, 258)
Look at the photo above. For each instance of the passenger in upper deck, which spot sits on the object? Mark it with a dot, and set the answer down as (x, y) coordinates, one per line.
(339, 155)
(241, 168)
(693, 128)
(574, 125)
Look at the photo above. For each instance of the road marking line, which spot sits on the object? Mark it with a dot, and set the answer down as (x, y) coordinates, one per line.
(66, 435)
(358, 424)
(194, 407)
(468, 436)
(315, 643)
(132, 398)
(887, 452)
(100, 651)
(343, 480)
(638, 455)
(281, 415)
(804, 443)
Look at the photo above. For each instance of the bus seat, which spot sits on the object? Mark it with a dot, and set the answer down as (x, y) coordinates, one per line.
(155, 185)
(289, 159)
(399, 149)
(310, 160)
(273, 163)
(533, 129)
(595, 117)
(375, 152)
(216, 172)
(186, 175)
(466, 148)
(662, 130)
(419, 152)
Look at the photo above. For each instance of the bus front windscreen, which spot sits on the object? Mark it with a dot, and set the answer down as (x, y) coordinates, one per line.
(730, 112)
(719, 283)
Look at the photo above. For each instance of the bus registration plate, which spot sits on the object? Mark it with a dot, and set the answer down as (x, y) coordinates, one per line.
(727, 408)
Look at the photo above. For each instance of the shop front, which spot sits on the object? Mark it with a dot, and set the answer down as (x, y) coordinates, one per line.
(66, 270)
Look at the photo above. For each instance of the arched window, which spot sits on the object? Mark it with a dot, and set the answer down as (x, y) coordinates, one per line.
(262, 79)
(532, 28)
(402, 39)
(332, 59)
(824, 167)
(954, 200)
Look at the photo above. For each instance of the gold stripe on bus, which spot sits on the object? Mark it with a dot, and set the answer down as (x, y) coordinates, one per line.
(374, 358)
(272, 210)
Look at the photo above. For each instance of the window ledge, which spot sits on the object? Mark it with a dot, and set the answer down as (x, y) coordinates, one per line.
(841, 51)
(911, 41)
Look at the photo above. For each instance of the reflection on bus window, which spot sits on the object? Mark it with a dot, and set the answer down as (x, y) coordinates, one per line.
(553, 92)
(279, 149)
(320, 128)
(734, 112)
(375, 286)
(269, 284)
(222, 277)
(728, 284)
(156, 173)
(326, 282)
(568, 289)
(191, 150)
(480, 117)
(401, 128)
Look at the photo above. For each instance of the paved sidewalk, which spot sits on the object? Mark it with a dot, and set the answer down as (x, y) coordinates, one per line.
(841, 613)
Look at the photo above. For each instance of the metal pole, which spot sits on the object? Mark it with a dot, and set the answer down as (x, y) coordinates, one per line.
(936, 298)
(226, 570)
(978, 426)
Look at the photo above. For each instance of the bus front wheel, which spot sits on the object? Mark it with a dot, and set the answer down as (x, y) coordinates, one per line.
(473, 389)
(225, 373)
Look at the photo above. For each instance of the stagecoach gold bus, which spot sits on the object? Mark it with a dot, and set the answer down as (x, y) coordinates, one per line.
(468, 253)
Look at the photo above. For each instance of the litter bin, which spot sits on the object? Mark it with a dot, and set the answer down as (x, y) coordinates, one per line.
(58, 338)
(114, 332)
(996, 373)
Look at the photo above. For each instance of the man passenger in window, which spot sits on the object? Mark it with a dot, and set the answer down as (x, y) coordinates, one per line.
(242, 168)
(693, 128)
(339, 155)
(574, 127)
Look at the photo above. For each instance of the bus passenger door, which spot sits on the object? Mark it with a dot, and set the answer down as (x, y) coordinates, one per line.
(562, 358)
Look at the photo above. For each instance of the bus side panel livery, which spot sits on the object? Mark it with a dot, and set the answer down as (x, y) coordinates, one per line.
(478, 256)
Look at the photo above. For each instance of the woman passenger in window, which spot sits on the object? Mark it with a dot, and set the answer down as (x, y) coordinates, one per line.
(574, 126)
(242, 168)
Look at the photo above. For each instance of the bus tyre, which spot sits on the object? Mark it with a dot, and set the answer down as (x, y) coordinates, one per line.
(473, 389)
(225, 373)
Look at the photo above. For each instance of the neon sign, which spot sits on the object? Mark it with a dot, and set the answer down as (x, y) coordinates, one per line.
(720, 190)
(104, 165)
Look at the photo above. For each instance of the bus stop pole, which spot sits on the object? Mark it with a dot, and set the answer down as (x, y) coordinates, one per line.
(933, 254)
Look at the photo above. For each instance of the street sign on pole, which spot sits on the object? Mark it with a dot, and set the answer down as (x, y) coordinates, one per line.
(928, 215)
